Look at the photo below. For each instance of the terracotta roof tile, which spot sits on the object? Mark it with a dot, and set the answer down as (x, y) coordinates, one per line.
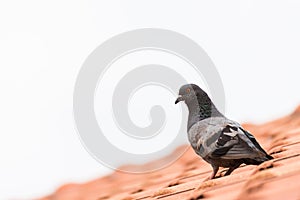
(275, 179)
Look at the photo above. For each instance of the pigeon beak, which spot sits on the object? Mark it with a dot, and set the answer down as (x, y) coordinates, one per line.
(180, 98)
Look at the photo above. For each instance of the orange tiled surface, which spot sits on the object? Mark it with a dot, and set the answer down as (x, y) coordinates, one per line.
(276, 179)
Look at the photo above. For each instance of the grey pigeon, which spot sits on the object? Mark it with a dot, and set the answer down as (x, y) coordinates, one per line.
(218, 140)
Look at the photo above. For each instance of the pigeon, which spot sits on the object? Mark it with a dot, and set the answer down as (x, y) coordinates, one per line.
(218, 140)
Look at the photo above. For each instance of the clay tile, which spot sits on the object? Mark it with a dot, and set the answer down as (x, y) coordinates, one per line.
(184, 179)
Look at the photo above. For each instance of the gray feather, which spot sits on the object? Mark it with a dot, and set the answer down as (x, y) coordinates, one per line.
(218, 140)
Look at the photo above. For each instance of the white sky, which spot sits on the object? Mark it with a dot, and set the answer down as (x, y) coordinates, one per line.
(255, 46)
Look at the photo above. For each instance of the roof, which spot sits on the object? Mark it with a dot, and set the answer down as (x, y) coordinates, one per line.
(275, 179)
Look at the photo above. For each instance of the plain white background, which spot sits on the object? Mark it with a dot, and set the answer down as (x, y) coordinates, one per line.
(255, 46)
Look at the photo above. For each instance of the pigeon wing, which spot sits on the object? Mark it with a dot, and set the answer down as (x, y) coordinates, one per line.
(235, 143)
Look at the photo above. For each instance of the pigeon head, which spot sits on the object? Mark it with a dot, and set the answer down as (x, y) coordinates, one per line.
(190, 93)
(198, 102)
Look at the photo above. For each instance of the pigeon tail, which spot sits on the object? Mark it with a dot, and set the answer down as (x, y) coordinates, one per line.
(269, 157)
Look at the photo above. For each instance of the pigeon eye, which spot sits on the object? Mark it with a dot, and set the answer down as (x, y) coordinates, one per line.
(188, 90)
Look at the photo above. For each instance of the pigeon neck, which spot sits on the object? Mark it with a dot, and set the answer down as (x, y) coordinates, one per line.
(200, 109)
